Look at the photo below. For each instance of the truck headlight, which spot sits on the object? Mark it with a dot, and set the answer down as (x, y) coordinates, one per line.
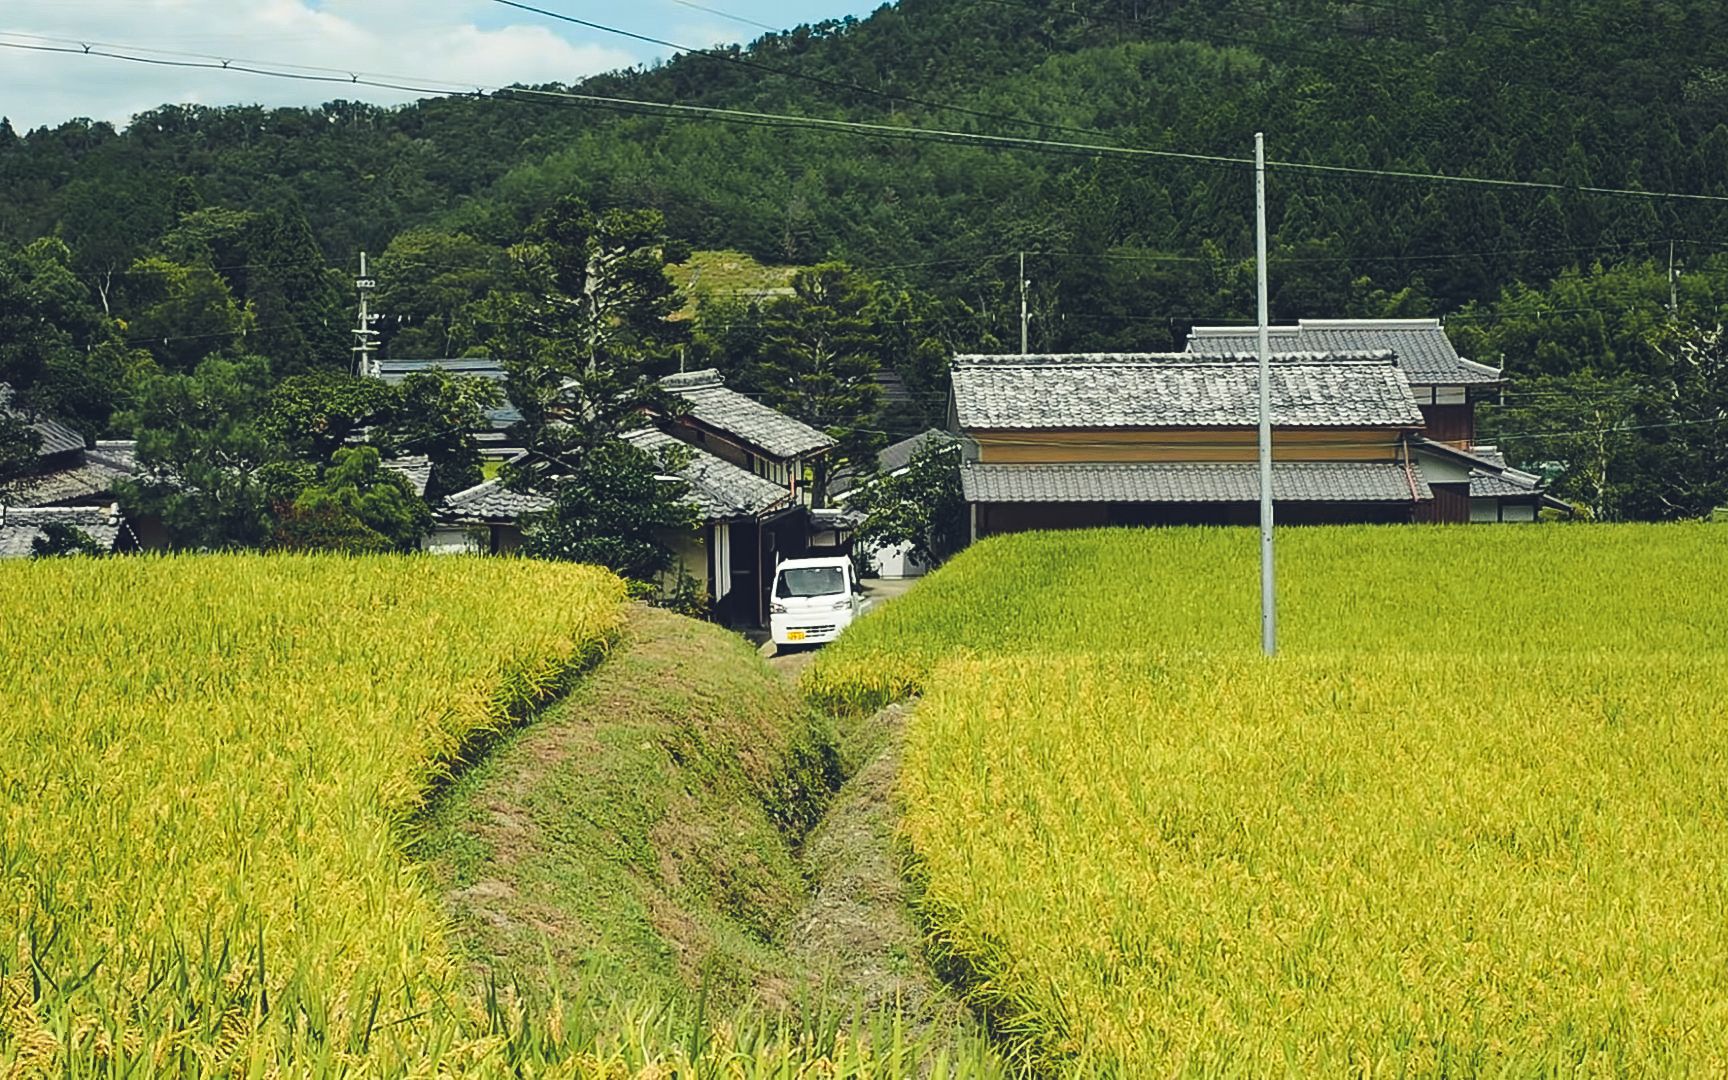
(776, 609)
(842, 605)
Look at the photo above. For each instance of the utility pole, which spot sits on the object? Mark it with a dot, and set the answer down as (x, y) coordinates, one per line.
(364, 334)
(1025, 314)
(1673, 285)
(1268, 595)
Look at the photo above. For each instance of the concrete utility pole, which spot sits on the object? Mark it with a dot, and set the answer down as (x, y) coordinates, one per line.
(1673, 285)
(363, 362)
(1025, 313)
(1268, 594)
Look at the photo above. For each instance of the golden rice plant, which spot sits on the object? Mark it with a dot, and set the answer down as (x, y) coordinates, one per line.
(1468, 822)
(212, 766)
(1522, 591)
(1397, 865)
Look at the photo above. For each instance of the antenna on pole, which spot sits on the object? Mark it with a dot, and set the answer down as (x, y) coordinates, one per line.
(365, 336)
(1025, 314)
(1268, 595)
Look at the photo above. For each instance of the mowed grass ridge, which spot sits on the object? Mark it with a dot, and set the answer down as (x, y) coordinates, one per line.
(1468, 823)
(212, 766)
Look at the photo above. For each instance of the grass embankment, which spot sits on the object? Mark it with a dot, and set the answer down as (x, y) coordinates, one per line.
(641, 836)
(1469, 822)
(209, 767)
(650, 848)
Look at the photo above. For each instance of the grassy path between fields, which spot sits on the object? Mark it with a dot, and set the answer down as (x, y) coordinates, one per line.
(683, 826)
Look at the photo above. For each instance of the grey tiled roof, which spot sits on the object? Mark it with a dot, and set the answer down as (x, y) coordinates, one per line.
(502, 416)
(889, 460)
(394, 371)
(493, 502)
(1184, 483)
(57, 438)
(900, 454)
(19, 527)
(1490, 476)
(1503, 485)
(417, 471)
(1490, 454)
(90, 477)
(1424, 351)
(1178, 391)
(729, 412)
(719, 490)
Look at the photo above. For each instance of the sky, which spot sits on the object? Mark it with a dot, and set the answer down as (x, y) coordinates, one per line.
(467, 43)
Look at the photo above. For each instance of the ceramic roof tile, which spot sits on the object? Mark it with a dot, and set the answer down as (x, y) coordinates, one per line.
(492, 501)
(85, 480)
(1184, 483)
(501, 416)
(1423, 350)
(416, 470)
(57, 438)
(719, 490)
(1095, 391)
(20, 527)
(725, 410)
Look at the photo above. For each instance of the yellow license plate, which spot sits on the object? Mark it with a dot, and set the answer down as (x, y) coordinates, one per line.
(794, 635)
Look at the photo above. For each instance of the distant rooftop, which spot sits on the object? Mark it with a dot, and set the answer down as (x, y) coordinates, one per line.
(503, 416)
(719, 490)
(416, 470)
(1177, 390)
(19, 528)
(57, 438)
(1423, 350)
(725, 410)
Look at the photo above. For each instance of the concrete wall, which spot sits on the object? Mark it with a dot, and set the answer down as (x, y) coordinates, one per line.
(1486, 511)
(456, 540)
(895, 562)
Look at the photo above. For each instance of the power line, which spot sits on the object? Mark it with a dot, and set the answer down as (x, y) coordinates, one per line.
(790, 73)
(881, 130)
(728, 15)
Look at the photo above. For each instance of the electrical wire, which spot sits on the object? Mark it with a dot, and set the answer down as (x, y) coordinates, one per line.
(728, 15)
(792, 73)
(890, 131)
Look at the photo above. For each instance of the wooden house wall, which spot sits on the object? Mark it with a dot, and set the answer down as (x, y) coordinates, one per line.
(1455, 424)
(1451, 505)
(1185, 445)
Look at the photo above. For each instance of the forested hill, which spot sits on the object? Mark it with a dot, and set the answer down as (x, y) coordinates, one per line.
(231, 232)
(1618, 93)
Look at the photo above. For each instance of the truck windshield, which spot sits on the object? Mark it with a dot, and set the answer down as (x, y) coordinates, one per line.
(810, 581)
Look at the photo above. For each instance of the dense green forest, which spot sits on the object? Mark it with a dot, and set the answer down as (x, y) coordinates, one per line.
(197, 229)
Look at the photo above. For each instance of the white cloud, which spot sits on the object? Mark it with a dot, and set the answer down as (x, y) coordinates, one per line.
(448, 41)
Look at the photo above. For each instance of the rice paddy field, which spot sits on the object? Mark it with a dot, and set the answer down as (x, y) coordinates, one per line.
(1468, 822)
(211, 768)
(217, 772)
